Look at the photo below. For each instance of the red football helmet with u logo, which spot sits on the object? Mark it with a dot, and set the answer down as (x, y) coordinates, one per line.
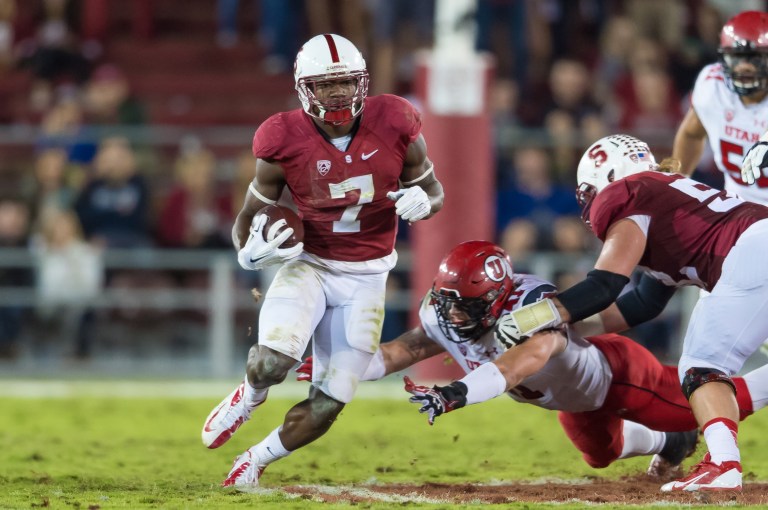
(470, 289)
(744, 52)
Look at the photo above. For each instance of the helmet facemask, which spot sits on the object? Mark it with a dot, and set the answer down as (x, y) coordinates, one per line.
(749, 82)
(480, 311)
(336, 111)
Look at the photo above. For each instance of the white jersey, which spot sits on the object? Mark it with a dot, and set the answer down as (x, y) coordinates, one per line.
(732, 128)
(575, 380)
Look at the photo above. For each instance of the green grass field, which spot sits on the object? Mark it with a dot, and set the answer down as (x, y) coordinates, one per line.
(99, 452)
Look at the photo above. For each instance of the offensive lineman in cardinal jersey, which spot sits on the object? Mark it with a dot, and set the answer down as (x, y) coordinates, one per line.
(615, 399)
(729, 106)
(352, 164)
(684, 233)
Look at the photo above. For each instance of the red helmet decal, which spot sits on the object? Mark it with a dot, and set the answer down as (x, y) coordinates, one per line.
(332, 47)
(495, 268)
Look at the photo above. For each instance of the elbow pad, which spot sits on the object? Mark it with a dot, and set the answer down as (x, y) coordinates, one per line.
(593, 295)
(645, 301)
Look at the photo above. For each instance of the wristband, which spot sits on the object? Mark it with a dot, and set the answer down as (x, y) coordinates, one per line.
(484, 383)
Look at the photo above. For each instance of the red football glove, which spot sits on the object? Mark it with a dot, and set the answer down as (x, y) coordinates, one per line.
(305, 370)
(436, 400)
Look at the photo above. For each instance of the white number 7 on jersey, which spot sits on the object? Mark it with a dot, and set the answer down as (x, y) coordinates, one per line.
(349, 221)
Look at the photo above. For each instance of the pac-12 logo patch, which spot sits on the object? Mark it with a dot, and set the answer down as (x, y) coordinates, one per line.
(323, 166)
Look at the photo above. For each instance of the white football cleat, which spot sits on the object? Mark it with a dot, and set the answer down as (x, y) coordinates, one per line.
(227, 417)
(245, 472)
(708, 476)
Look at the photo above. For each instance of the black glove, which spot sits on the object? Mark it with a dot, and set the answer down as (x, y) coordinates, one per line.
(438, 399)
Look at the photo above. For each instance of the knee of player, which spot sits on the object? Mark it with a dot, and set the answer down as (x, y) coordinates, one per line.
(268, 367)
(695, 377)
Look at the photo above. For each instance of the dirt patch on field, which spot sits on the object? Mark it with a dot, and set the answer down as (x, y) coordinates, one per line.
(635, 491)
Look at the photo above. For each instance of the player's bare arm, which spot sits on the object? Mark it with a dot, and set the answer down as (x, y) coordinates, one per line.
(529, 357)
(623, 248)
(689, 142)
(265, 189)
(418, 170)
(490, 379)
(408, 349)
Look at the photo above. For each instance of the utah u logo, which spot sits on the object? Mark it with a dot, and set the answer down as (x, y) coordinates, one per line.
(323, 166)
(497, 268)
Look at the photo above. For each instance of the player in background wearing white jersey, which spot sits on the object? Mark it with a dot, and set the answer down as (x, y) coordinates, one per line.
(615, 399)
(729, 106)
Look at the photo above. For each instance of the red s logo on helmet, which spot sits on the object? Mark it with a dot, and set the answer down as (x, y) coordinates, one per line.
(598, 155)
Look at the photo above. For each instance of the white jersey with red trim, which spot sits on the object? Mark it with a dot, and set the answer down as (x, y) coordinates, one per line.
(575, 380)
(732, 127)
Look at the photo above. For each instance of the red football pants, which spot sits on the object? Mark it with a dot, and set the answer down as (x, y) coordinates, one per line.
(643, 391)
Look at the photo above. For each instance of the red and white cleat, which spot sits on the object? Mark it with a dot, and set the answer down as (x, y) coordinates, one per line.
(245, 472)
(708, 476)
(227, 417)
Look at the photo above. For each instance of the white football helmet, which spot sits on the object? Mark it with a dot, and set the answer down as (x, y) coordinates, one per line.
(607, 160)
(325, 58)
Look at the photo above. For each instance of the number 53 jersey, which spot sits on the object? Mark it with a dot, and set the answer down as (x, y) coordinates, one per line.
(690, 227)
(732, 127)
(342, 195)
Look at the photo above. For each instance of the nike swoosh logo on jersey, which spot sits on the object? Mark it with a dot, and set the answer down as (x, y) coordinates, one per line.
(366, 156)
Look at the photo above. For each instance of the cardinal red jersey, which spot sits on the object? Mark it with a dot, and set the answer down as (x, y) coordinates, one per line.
(691, 227)
(342, 196)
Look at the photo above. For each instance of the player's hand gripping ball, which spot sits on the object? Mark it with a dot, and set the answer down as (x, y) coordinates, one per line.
(274, 226)
(276, 235)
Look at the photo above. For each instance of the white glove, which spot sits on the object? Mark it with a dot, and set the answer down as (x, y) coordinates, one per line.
(754, 162)
(517, 326)
(258, 253)
(411, 204)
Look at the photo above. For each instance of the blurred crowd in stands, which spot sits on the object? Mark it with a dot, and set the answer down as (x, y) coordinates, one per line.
(568, 72)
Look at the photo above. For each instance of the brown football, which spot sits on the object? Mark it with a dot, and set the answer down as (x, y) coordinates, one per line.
(275, 213)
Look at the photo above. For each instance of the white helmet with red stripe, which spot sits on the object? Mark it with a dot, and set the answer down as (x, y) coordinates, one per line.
(607, 160)
(330, 58)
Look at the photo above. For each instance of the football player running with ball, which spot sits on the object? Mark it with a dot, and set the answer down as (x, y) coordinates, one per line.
(615, 399)
(352, 165)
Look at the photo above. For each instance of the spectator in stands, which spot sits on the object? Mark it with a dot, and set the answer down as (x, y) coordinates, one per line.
(113, 207)
(62, 127)
(54, 55)
(652, 106)
(615, 46)
(108, 98)
(70, 276)
(570, 112)
(7, 31)
(196, 214)
(646, 101)
(697, 49)
(400, 27)
(527, 211)
(502, 30)
(278, 30)
(14, 233)
(51, 187)
(348, 17)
